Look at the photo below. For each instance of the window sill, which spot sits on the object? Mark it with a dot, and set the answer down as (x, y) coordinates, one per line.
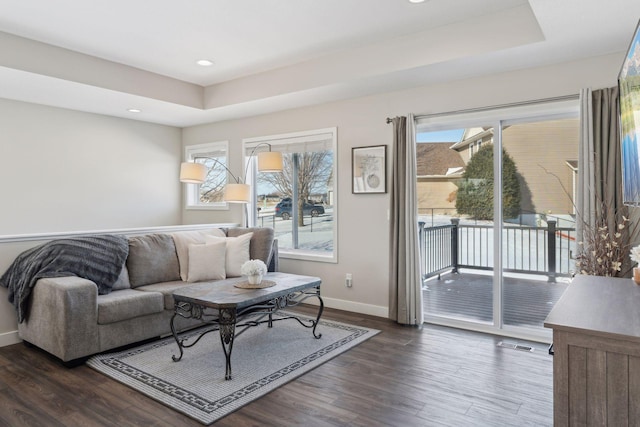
(224, 207)
(302, 255)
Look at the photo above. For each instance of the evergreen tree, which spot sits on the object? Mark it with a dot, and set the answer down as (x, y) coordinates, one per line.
(475, 193)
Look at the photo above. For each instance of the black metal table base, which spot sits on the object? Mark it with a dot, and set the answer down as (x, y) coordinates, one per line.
(226, 320)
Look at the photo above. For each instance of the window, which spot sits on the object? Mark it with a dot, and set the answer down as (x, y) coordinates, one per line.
(208, 195)
(474, 147)
(300, 202)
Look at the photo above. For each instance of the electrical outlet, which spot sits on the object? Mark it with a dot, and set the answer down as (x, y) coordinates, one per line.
(348, 280)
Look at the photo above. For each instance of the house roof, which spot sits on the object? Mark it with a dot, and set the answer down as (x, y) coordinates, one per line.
(273, 56)
(437, 159)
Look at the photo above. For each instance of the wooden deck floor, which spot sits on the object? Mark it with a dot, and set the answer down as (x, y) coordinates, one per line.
(470, 297)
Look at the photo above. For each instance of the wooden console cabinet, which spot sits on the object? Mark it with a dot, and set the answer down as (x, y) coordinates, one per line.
(596, 341)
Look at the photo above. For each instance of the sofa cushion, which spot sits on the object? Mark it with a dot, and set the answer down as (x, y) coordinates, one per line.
(152, 259)
(127, 304)
(261, 241)
(207, 262)
(166, 289)
(237, 252)
(182, 241)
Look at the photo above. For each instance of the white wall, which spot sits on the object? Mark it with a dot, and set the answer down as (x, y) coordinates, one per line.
(363, 227)
(62, 170)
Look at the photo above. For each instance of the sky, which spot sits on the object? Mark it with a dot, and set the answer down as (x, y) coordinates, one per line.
(453, 135)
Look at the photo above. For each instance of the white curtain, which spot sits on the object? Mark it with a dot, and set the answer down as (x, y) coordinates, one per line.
(405, 296)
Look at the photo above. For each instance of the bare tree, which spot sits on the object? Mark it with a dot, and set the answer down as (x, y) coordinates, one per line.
(314, 171)
(212, 189)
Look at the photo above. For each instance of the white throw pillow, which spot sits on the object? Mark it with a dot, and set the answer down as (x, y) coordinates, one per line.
(237, 252)
(207, 262)
(183, 239)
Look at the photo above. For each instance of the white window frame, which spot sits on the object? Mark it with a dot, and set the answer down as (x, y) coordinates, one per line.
(192, 191)
(278, 143)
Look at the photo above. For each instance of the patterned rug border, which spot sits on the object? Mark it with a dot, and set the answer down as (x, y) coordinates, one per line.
(208, 411)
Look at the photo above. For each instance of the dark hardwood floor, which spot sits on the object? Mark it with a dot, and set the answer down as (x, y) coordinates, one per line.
(404, 376)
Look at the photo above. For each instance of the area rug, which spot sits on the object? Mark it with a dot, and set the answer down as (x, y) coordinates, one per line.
(262, 359)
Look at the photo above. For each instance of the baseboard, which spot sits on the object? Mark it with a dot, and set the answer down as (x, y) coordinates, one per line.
(9, 338)
(355, 307)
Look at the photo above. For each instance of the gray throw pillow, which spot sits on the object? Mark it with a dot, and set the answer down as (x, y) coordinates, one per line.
(123, 280)
(261, 241)
(152, 259)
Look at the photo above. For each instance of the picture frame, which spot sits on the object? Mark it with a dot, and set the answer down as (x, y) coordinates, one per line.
(369, 169)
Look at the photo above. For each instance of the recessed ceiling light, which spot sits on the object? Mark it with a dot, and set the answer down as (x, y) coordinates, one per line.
(416, 1)
(204, 62)
(134, 110)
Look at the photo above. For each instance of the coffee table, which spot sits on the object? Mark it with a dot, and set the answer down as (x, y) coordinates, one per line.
(227, 307)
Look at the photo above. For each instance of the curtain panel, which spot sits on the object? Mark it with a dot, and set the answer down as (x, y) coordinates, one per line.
(405, 295)
(600, 167)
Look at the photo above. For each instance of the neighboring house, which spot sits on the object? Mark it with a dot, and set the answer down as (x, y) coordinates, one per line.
(438, 169)
(471, 141)
(545, 154)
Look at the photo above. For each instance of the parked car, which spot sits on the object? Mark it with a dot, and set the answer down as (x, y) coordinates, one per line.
(283, 209)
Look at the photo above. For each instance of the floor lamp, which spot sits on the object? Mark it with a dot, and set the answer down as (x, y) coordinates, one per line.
(238, 192)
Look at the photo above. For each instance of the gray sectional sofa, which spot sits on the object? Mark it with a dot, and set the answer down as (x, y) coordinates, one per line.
(69, 319)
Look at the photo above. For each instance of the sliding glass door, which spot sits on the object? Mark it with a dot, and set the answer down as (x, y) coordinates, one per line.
(497, 225)
(538, 233)
(455, 214)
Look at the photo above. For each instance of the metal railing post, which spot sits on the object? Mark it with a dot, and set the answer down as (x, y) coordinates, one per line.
(551, 250)
(454, 244)
(422, 249)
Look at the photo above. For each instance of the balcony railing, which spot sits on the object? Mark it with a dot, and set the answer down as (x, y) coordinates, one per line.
(531, 250)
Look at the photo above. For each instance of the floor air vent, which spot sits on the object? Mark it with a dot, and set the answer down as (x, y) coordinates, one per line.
(515, 346)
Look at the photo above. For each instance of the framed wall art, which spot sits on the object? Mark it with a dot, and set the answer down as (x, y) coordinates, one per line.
(369, 169)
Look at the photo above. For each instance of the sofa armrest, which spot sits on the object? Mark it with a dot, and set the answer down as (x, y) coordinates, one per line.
(63, 317)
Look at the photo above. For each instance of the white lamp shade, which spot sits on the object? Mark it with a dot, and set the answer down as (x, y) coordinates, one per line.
(237, 193)
(270, 161)
(193, 173)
